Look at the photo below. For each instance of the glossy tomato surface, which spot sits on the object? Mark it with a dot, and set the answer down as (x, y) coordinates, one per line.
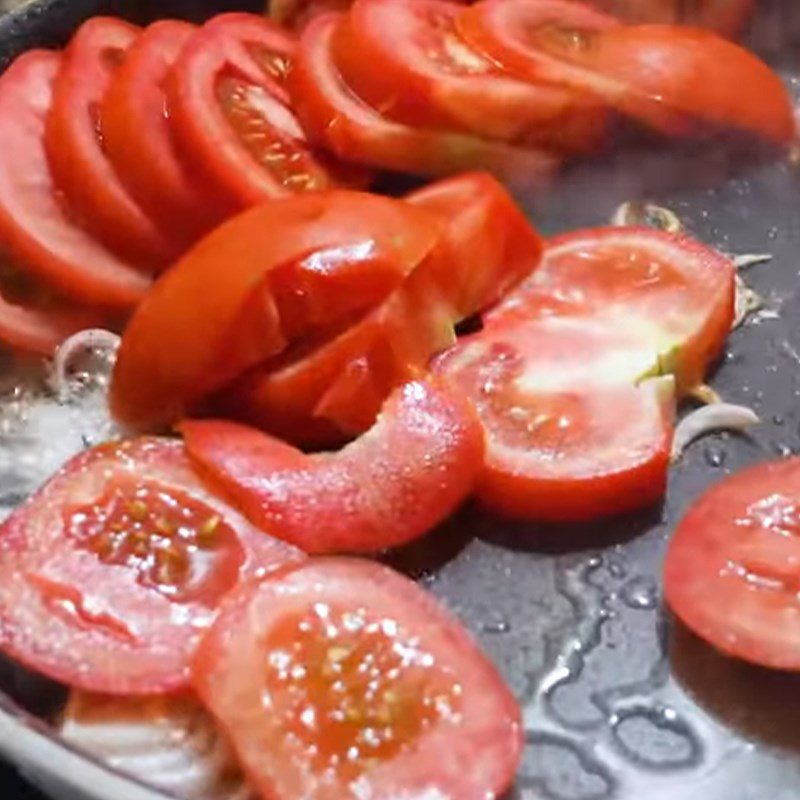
(391, 486)
(138, 139)
(291, 267)
(114, 569)
(403, 703)
(36, 230)
(732, 566)
(74, 145)
(406, 59)
(338, 120)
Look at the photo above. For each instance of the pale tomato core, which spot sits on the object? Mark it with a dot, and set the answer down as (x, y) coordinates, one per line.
(354, 691)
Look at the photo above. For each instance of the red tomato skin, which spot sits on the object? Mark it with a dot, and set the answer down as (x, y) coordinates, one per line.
(471, 760)
(138, 139)
(740, 534)
(223, 323)
(89, 624)
(337, 120)
(35, 229)
(74, 149)
(206, 134)
(424, 75)
(403, 477)
(488, 245)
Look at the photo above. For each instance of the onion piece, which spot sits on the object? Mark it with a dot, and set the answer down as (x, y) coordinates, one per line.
(98, 340)
(716, 417)
(638, 213)
(747, 260)
(748, 301)
(170, 743)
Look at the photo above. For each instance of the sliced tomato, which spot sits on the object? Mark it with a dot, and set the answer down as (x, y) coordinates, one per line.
(74, 146)
(343, 674)
(298, 13)
(731, 568)
(395, 484)
(573, 430)
(35, 229)
(488, 245)
(229, 112)
(679, 80)
(115, 568)
(727, 17)
(671, 290)
(338, 120)
(266, 278)
(138, 139)
(406, 59)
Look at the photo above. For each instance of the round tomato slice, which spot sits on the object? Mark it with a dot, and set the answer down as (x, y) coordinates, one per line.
(678, 80)
(112, 572)
(297, 13)
(138, 139)
(732, 566)
(271, 276)
(574, 432)
(342, 678)
(35, 228)
(230, 115)
(75, 151)
(338, 120)
(673, 291)
(488, 245)
(414, 467)
(406, 59)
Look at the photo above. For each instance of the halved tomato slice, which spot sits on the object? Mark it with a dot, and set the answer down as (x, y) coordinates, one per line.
(269, 277)
(35, 229)
(338, 120)
(298, 13)
(138, 139)
(74, 145)
(342, 679)
(414, 467)
(406, 59)
(112, 572)
(679, 80)
(229, 113)
(672, 291)
(574, 431)
(732, 567)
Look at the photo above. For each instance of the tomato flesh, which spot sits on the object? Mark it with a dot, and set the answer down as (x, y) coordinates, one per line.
(138, 139)
(291, 266)
(407, 474)
(423, 74)
(36, 230)
(124, 556)
(731, 569)
(371, 688)
(73, 140)
(337, 119)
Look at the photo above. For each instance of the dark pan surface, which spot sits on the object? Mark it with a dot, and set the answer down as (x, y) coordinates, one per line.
(620, 702)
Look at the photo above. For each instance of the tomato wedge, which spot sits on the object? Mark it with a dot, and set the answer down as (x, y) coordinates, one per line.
(138, 139)
(229, 112)
(679, 80)
(114, 569)
(291, 266)
(74, 146)
(35, 229)
(407, 474)
(342, 679)
(574, 432)
(732, 566)
(335, 118)
(671, 290)
(406, 59)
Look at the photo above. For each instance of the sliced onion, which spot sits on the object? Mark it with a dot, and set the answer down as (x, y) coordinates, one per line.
(637, 213)
(747, 260)
(93, 340)
(748, 301)
(171, 743)
(716, 417)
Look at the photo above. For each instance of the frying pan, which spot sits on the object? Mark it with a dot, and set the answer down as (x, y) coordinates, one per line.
(620, 702)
